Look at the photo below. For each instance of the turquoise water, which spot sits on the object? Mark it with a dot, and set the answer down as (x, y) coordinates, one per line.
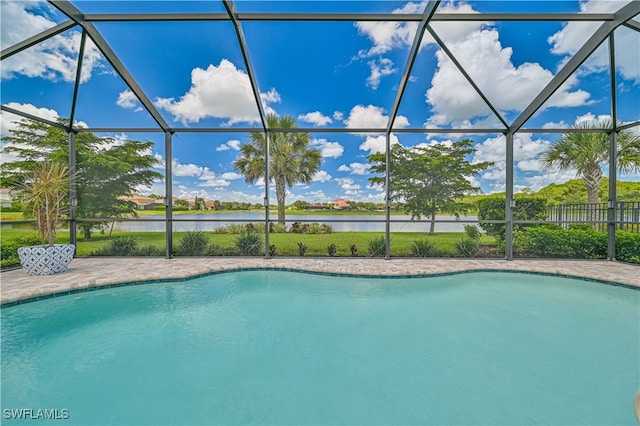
(290, 348)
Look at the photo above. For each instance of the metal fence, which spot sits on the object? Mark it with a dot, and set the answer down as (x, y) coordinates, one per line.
(627, 215)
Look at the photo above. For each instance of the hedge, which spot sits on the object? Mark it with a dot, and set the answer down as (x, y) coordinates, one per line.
(526, 208)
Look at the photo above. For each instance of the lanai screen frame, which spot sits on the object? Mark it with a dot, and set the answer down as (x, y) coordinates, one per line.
(605, 33)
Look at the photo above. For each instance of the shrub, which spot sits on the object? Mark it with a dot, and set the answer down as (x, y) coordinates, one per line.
(217, 250)
(273, 250)
(424, 247)
(119, 246)
(193, 243)
(9, 248)
(527, 208)
(354, 249)
(472, 232)
(277, 228)
(150, 250)
(314, 228)
(249, 243)
(628, 247)
(296, 228)
(310, 228)
(332, 249)
(467, 247)
(377, 246)
(553, 240)
(326, 229)
(302, 248)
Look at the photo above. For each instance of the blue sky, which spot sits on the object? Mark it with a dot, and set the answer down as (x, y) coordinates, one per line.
(327, 75)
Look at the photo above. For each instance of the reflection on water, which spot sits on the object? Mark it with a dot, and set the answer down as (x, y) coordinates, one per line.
(370, 223)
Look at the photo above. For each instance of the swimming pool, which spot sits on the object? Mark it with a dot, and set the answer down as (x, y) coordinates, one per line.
(274, 347)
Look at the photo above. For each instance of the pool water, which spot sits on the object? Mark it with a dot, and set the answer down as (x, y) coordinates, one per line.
(276, 347)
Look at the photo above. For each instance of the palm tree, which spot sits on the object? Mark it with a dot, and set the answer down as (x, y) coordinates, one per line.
(584, 152)
(291, 159)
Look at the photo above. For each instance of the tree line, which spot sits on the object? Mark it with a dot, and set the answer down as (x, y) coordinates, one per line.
(424, 180)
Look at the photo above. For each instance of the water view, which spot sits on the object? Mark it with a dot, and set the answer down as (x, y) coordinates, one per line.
(340, 223)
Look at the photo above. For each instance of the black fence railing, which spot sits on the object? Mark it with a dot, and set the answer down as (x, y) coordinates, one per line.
(627, 215)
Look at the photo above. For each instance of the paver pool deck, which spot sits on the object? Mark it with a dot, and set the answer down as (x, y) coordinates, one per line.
(16, 285)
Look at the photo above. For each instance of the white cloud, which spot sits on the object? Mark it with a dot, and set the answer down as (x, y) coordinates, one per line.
(231, 144)
(574, 34)
(216, 183)
(328, 149)
(180, 169)
(321, 176)
(126, 99)
(377, 144)
(592, 119)
(526, 155)
(386, 36)
(338, 115)
(231, 176)
(221, 91)
(509, 88)
(355, 168)
(316, 118)
(530, 165)
(379, 68)
(211, 178)
(347, 184)
(372, 117)
(9, 121)
(53, 59)
(555, 125)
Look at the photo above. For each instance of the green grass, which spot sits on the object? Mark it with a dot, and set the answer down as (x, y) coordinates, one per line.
(287, 243)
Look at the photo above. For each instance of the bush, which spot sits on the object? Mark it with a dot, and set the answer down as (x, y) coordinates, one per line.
(377, 247)
(332, 249)
(277, 228)
(9, 248)
(527, 208)
(354, 249)
(273, 250)
(467, 247)
(150, 250)
(249, 243)
(553, 240)
(217, 250)
(310, 228)
(119, 246)
(193, 243)
(424, 247)
(628, 247)
(302, 249)
(472, 232)
(161, 208)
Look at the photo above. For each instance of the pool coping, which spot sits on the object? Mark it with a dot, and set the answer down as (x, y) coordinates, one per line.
(88, 274)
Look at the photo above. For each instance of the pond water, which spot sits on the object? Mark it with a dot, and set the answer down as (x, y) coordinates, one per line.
(340, 223)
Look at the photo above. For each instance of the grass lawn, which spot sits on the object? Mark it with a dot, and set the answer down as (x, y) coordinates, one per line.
(286, 243)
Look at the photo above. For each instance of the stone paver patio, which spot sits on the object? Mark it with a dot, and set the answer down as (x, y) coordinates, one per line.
(16, 285)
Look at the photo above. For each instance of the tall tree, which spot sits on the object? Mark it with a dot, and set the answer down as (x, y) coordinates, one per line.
(106, 169)
(291, 160)
(428, 179)
(585, 152)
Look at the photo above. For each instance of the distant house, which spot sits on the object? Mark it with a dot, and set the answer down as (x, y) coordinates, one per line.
(341, 204)
(144, 203)
(5, 198)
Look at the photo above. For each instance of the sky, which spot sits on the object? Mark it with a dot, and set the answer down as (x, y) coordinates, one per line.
(326, 75)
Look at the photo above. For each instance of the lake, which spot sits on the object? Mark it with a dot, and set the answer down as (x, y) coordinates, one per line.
(340, 223)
